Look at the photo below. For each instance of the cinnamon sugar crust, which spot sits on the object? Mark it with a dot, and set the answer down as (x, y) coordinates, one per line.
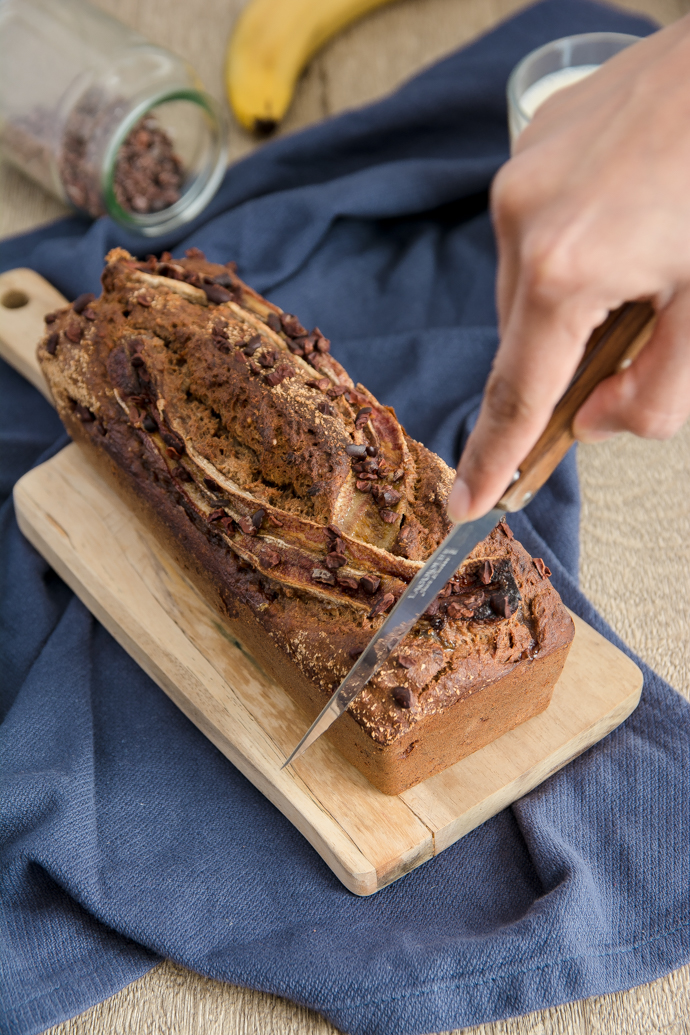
(303, 509)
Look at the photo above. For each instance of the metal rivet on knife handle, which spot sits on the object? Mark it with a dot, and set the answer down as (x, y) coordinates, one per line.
(611, 347)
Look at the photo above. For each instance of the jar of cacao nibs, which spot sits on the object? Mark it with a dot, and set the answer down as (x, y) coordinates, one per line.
(105, 120)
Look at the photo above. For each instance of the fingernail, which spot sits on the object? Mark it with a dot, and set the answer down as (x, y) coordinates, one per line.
(458, 501)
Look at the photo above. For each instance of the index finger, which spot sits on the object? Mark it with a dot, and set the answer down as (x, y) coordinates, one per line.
(543, 343)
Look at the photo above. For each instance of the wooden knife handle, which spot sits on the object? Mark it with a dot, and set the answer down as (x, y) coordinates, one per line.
(611, 347)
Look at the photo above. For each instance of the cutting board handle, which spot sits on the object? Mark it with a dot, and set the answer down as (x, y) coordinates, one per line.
(25, 298)
(611, 347)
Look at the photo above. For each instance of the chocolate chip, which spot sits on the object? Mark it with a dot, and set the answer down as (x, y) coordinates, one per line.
(370, 584)
(500, 605)
(355, 450)
(372, 451)
(74, 332)
(403, 697)
(181, 473)
(273, 321)
(321, 575)
(487, 573)
(363, 486)
(258, 517)
(149, 423)
(52, 343)
(382, 604)
(252, 345)
(538, 563)
(347, 582)
(247, 525)
(80, 303)
(362, 416)
(211, 485)
(223, 279)
(389, 516)
(83, 414)
(50, 317)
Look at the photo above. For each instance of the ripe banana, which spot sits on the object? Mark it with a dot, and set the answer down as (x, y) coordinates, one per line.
(270, 45)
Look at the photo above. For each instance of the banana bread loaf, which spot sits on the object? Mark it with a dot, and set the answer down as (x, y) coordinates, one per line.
(302, 509)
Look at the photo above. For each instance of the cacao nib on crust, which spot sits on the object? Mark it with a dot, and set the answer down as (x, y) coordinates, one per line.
(261, 497)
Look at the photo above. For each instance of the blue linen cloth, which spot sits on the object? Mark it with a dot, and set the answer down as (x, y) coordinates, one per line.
(125, 836)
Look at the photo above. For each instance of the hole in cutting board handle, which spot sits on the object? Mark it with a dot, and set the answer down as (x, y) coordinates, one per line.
(14, 299)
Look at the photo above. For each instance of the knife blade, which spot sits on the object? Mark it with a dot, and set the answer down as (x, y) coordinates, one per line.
(611, 347)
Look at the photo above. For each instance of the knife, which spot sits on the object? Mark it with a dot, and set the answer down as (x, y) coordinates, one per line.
(611, 347)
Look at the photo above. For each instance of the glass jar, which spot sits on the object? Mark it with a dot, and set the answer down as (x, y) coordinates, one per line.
(105, 120)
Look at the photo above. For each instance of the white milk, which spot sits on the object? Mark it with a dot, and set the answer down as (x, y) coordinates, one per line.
(535, 95)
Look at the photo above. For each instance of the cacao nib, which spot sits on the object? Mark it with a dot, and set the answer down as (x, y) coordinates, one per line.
(291, 325)
(487, 573)
(397, 475)
(405, 661)
(224, 279)
(403, 697)
(269, 557)
(389, 516)
(390, 497)
(52, 343)
(326, 409)
(89, 314)
(247, 526)
(363, 416)
(182, 474)
(505, 528)
(370, 584)
(258, 517)
(383, 604)
(335, 391)
(323, 344)
(347, 582)
(538, 563)
(267, 358)
(211, 485)
(333, 531)
(273, 321)
(216, 515)
(195, 253)
(335, 560)
(50, 317)
(372, 451)
(363, 486)
(356, 652)
(273, 520)
(172, 440)
(80, 303)
(456, 610)
(322, 383)
(321, 575)
(149, 424)
(277, 376)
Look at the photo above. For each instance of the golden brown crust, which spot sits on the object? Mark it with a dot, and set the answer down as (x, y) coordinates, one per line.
(243, 443)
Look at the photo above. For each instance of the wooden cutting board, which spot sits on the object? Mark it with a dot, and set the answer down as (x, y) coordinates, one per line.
(142, 597)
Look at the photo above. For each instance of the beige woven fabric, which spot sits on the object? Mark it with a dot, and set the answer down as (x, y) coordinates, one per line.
(635, 520)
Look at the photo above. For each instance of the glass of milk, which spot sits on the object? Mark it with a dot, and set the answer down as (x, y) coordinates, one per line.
(557, 64)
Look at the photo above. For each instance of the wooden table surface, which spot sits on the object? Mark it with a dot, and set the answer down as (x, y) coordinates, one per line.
(636, 505)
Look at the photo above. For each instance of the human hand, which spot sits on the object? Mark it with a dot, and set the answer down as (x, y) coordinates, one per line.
(591, 211)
